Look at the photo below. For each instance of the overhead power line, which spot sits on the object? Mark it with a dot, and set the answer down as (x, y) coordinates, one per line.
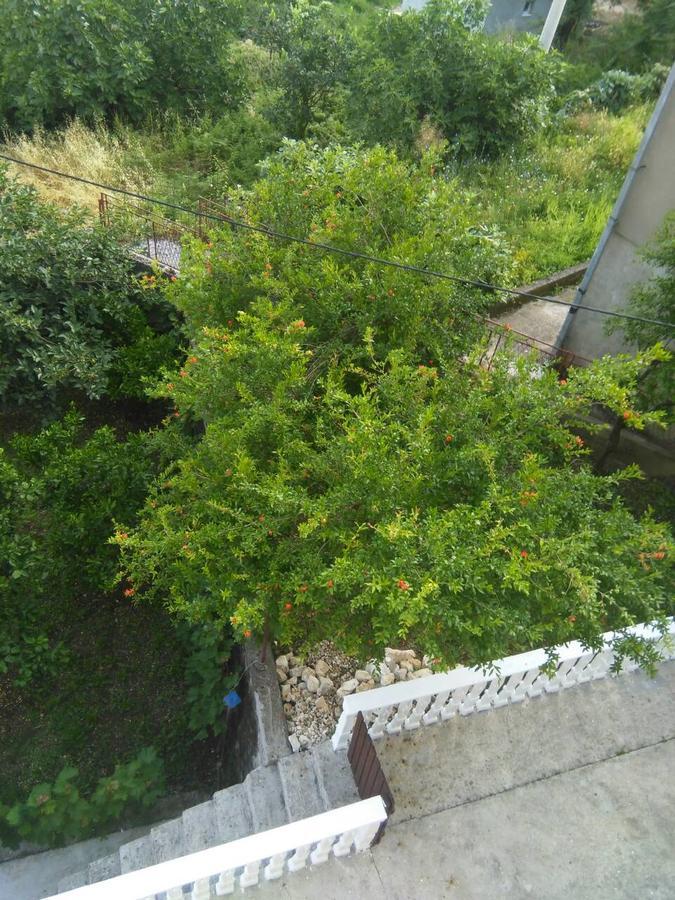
(331, 248)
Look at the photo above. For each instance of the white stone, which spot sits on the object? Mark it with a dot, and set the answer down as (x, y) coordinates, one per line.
(304, 740)
(407, 665)
(281, 676)
(292, 680)
(322, 705)
(361, 675)
(348, 687)
(385, 670)
(326, 685)
(398, 655)
(282, 663)
(294, 742)
(421, 673)
(307, 672)
(321, 667)
(296, 671)
(416, 663)
(371, 666)
(313, 684)
(387, 679)
(401, 674)
(365, 686)
(286, 692)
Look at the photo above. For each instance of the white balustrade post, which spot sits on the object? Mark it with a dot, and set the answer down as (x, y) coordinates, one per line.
(344, 844)
(363, 837)
(225, 883)
(275, 867)
(250, 875)
(201, 890)
(322, 851)
(299, 859)
(340, 739)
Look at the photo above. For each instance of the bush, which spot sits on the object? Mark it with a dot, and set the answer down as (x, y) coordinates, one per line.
(122, 59)
(439, 505)
(616, 90)
(483, 93)
(72, 307)
(56, 814)
(61, 492)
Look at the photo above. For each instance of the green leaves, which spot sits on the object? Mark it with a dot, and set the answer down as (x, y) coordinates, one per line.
(56, 814)
(72, 315)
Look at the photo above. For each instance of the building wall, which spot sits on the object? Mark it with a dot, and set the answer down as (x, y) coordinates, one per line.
(504, 15)
(648, 193)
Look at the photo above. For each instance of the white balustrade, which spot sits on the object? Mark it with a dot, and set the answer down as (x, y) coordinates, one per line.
(243, 862)
(416, 702)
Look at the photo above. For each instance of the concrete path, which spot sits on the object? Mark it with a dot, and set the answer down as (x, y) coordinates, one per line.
(539, 318)
(568, 796)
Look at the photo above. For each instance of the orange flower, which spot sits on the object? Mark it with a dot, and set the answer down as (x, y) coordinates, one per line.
(192, 359)
(288, 606)
(183, 373)
(123, 535)
(579, 441)
(448, 438)
(330, 583)
(627, 415)
(403, 585)
(169, 386)
(299, 324)
(563, 381)
(247, 633)
(128, 592)
(524, 554)
(571, 618)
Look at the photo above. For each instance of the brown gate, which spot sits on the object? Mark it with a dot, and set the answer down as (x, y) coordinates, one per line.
(367, 770)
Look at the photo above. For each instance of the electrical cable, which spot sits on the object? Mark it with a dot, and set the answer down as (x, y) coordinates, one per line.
(331, 248)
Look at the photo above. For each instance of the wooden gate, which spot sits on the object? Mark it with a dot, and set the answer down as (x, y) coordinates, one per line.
(367, 769)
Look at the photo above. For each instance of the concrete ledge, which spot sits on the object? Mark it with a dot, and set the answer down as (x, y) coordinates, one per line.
(544, 286)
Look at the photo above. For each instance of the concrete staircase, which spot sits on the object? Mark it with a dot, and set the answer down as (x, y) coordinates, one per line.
(294, 787)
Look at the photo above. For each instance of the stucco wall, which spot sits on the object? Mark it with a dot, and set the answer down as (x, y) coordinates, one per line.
(647, 195)
(504, 15)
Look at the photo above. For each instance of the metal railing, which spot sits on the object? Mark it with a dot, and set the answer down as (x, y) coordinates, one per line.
(152, 238)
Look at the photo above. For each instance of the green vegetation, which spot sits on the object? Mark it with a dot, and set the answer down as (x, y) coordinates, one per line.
(286, 444)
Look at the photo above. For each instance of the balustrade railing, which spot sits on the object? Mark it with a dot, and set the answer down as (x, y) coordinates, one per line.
(409, 705)
(218, 871)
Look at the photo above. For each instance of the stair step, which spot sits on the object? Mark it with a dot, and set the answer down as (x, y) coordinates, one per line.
(200, 827)
(334, 775)
(106, 867)
(233, 813)
(137, 854)
(265, 797)
(300, 787)
(168, 840)
(72, 881)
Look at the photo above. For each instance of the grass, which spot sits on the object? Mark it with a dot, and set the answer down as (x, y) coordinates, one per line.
(122, 689)
(553, 201)
(98, 154)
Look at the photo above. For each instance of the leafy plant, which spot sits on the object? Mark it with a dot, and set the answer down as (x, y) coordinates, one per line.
(207, 678)
(71, 306)
(61, 492)
(56, 814)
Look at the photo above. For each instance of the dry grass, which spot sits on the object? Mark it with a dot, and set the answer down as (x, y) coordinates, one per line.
(96, 154)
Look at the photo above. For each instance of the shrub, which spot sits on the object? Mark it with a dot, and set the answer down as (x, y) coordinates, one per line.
(485, 94)
(56, 814)
(71, 306)
(123, 59)
(61, 492)
(435, 504)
